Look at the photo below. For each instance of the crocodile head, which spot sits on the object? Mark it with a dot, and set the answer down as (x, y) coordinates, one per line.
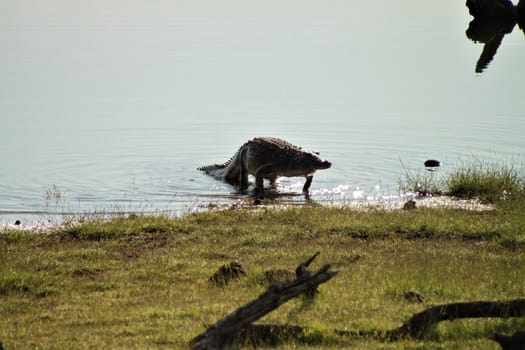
(309, 162)
(319, 162)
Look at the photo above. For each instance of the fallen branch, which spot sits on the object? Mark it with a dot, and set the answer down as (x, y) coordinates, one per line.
(423, 321)
(515, 341)
(216, 336)
(239, 323)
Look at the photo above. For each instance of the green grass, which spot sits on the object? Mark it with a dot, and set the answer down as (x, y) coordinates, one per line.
(418, 182)
(490, 182)
(143, 282)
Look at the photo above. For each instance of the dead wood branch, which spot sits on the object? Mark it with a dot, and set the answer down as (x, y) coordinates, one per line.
(216, 336)
(511, 342)
(422, 322)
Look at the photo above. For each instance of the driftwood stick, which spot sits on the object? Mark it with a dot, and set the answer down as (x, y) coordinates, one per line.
(217, 335)
(422, 322)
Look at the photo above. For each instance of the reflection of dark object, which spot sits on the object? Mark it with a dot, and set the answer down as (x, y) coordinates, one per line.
(432, 163)
(491, 33)
(226, 273)
(511, 342)
(492, 9)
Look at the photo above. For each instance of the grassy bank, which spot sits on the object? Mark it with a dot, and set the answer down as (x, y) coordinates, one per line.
(143, 282)
(489, 182)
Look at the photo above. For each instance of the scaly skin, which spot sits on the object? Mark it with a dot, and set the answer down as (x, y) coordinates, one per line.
(267, 158)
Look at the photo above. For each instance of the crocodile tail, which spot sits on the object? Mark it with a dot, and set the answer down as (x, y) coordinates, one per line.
(215, 170)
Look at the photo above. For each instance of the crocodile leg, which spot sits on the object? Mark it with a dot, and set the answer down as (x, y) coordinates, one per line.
(260, 174)
(307, 184)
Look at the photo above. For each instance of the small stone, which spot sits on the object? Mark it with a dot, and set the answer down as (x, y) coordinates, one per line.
(409, 205)
(226, 273)
(412, 295)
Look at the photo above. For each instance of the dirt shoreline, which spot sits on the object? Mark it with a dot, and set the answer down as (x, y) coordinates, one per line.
(423, 202)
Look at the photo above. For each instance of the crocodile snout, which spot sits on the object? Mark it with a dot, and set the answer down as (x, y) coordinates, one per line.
(325, 164)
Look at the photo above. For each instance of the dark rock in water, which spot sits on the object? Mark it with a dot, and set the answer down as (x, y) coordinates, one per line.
(18, 223)
(432, 163)
(492, 9)
(511, 342)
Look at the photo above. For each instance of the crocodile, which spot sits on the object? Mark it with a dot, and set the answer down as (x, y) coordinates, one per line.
(267, 158)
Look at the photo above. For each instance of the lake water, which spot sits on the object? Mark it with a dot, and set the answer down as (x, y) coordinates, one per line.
(110, 106)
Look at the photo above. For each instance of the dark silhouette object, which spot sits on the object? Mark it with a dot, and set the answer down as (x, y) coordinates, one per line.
(520, 9)
(493, 19)
(489, 32)
(432, 163)
(17, 223)
(492, 9)
(419, 324)
(511, 342)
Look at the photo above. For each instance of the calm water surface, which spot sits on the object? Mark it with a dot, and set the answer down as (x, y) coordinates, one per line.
(111, 106)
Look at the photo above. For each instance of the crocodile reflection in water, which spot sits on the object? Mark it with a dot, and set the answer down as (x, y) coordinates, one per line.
(493, 19)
